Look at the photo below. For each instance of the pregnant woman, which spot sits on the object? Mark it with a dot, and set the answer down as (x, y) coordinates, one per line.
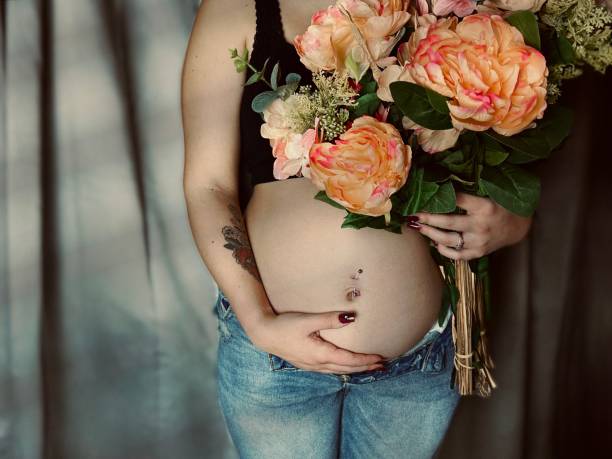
(329, 338)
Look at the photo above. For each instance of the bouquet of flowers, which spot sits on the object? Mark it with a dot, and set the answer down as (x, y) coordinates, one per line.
(412, 101)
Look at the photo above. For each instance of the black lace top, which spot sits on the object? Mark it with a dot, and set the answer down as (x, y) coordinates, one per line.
(256, 160)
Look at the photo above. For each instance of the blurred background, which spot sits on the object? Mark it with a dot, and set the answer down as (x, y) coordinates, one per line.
(107, 336)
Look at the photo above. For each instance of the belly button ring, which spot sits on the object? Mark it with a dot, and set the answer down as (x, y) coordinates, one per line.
(352, 293)
(356, 274)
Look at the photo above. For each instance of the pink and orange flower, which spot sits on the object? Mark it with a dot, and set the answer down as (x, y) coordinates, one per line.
(330, 39)
(493, 79)
(289, 148)
(363, 168)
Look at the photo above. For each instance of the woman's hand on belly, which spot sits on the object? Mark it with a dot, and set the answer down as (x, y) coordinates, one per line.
(294, 337)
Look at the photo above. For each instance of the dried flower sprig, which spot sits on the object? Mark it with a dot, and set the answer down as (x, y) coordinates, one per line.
(329, 102)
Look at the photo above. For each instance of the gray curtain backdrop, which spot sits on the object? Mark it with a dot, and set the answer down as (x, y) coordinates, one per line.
(107, 337)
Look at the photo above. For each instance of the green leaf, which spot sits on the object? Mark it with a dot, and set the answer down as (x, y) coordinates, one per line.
(322, 196)
(565, 50)
(435, 173)
(239, 65)
(512, 188)
(274, 76)
(262, 100)
(494, 152)
(437, 101)
(527, 23)
(369, 87)
(456, 178)
(366, 105)
(411, 192)
(455, 161)
(355, 69)
(253, 79)
(556, 125)
(265, 65)
(292, 78)
(353, 220)
(233, 52)
(428, 190)
(286, 90)
(479, 266)
(526, 148)
(443, 201)
(537, 143)
(414, 102)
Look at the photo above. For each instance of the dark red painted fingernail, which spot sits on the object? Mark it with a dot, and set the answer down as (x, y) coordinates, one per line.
(346, 317)
(412, 218)
(413, 225)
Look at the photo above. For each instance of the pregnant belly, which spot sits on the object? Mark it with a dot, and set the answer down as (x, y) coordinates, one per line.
(306, 260)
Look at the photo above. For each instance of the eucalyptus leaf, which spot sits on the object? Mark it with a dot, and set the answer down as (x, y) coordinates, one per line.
(265, 65)
(292, 78)
(262, 100)
(274, 76)
(239, 65)
(512, 188)
(414, 102)
(286, 90)
(527, 23)
(253, 78)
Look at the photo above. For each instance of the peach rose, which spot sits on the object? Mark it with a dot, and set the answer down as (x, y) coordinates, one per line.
(330, 39)
(482, 64)
(363, 168)
(289, 148)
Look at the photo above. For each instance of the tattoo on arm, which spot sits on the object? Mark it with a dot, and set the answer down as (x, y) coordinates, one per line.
(238, 242)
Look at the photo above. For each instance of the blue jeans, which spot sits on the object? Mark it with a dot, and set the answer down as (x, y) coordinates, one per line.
(273, 409)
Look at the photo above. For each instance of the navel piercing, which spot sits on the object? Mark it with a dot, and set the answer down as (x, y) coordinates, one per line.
(356, 274)
(352, 293)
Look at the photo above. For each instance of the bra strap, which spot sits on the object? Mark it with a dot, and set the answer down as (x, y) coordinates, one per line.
(269, 28)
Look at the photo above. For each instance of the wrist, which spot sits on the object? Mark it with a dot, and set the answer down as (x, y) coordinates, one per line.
(258, 329)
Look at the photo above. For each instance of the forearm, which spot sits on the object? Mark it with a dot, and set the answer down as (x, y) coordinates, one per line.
(221, 238)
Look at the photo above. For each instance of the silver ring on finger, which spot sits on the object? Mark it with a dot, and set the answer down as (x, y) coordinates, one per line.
(461, 242)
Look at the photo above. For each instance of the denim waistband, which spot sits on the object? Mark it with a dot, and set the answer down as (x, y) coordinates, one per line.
(435, 331)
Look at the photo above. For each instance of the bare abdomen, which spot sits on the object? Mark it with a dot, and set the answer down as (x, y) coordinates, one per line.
(306, 260)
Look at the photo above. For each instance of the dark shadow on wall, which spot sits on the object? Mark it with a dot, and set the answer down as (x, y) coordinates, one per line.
(583, 403)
